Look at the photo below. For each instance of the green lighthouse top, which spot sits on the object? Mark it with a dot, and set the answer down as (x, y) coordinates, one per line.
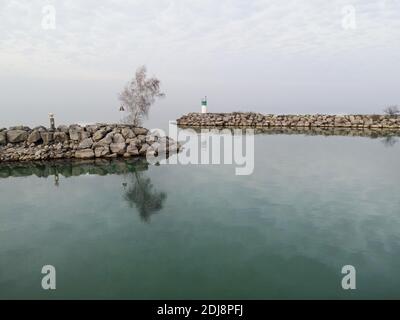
(204, 101)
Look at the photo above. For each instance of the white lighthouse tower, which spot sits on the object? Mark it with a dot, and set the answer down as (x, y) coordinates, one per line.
(204, 105)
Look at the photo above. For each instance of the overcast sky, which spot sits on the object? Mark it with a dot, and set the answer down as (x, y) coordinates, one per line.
(303, 56)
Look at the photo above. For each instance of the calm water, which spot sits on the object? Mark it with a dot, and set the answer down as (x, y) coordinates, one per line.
(132, 230)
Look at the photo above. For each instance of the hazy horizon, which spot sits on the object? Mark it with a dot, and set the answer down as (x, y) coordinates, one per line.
(262, 56)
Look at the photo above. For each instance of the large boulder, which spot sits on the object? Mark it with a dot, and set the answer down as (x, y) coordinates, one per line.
(86, 143)
(118, 138)
(84, 154)
(107, 140)
(16, 136)
(77, 133)
(127, 133)
(92, 128)
(74, 132)
(60, 136)
(47, 137)
(151, 138)
(118, 148)
(63, 128)
(24, 128)
(99, 134)
(140, 131)
(101, 151)
(3, 138)
(141, 138)
(135, 141)
(40, 128)
(143, 149)
(34, 137)
(132, 149)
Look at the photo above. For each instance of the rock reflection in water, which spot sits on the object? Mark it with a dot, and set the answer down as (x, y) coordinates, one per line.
(390, 137)
(139, 191)
(390, 141)
(314, 131)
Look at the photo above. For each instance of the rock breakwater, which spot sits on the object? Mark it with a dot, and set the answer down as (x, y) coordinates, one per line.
(250, 119)
(22, 143)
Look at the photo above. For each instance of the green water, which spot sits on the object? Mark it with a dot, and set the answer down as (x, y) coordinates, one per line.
(136, 231)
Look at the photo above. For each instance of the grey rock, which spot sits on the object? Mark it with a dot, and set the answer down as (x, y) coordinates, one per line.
(16, 136)
(132, 150)
(118, 138)
(118, 148)
(127, 133)
(63, 128)
(76, 132)
(140, 131)
(151, 138)
(40, 128)
(102, 151)
(24, 128)
(84, 154)
(3, 138)
(143, 149)
(99, 134)
(47, 137)
(141, 138)
(134, 141)
(113, 155)
(34, 137)
(84, 135)
(92, 128)
(60, 136)
(86, 143)
(98, 152)
(107, 140)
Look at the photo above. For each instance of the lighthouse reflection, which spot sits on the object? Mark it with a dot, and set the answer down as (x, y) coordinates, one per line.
(137, 189)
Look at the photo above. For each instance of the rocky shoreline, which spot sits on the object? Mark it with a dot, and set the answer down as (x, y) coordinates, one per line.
(22, 143)
(250, 119)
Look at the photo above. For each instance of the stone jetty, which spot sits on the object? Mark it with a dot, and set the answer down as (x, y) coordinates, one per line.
(250, 119)
(22, 143)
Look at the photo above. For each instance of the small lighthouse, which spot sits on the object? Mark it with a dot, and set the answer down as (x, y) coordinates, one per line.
(204, 105)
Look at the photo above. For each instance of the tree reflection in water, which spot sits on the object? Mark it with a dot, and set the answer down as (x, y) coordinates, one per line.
(140, 193)
(389, 141)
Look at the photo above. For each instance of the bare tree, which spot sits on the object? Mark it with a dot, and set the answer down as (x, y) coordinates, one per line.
(138, 96)
(392, 111)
